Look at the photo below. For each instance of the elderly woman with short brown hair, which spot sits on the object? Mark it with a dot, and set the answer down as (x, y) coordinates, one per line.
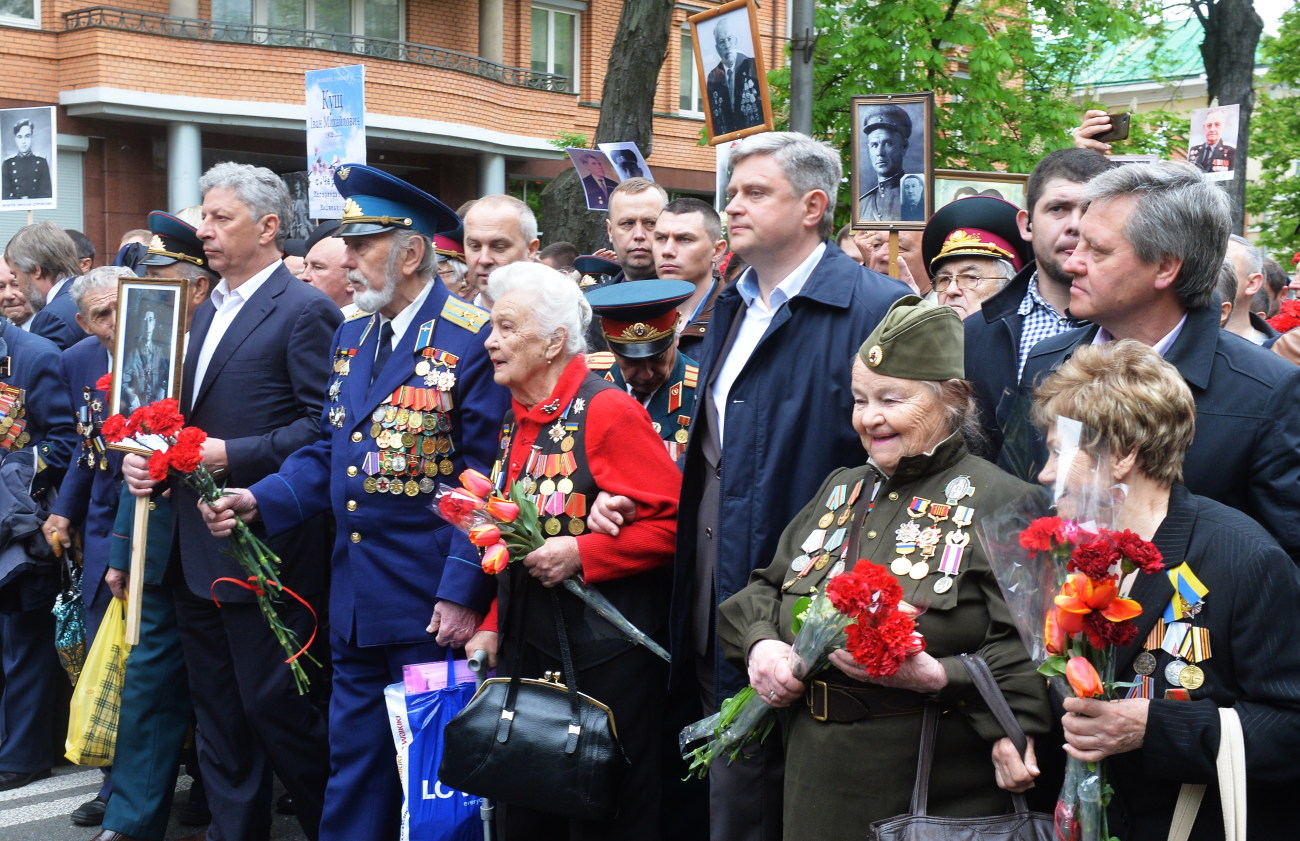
(1242, 598)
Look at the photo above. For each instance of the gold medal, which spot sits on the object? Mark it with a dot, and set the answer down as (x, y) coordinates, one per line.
(826, 520)
(375, 429)
(443, 444)
(681, 436)
(445, 467)
(390, 414)
(427, 447)
(416, 421)
(823, 560)
(567, 444)
(422, 368)
(844, 516)
(547, 487)
(403, 415)
(408, 440)
(430, 467)
(900, 566)
(565, 485)
(552, 526)
(1145, 663)
(369, 485)
(919, 570)
(412, 488)
(576, 526)
(1192, 677)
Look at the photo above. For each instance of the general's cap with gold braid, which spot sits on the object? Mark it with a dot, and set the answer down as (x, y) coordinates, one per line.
(375, 201)
(640, 318)
(917, 340)
(174, 241)
(977, 226)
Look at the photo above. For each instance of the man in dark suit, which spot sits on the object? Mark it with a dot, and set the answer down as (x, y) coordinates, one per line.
(38, 430)
(405, 584)
(44, 259)
(26, 174)
(1151, 243)
(732, 86)
(254, 379)
(595, 183)
(1032, 307)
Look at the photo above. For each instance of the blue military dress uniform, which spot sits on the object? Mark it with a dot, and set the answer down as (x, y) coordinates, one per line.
(35, 416)
(432, 411)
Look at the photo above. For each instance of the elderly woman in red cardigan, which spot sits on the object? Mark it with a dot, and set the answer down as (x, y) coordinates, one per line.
(569, 435)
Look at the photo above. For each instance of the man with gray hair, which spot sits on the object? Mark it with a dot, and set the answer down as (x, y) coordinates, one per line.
(1248, 265)
(1151, 242)
(254, 379)
(798, 307)
(44, 259)
(499, 230)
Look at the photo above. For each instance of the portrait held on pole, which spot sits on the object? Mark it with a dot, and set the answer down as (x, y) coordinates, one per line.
(599, 178)
(148, 343)
(27, 147)
(729, 59)
(893, 161)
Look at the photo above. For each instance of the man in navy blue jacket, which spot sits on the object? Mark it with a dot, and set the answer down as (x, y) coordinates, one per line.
(44, 258)
(1151, 242)
(772, 419)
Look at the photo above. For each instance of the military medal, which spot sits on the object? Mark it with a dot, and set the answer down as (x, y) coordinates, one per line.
(552, 526)
(800, 563)
(836, 570)
(576, 526)
(826, 520)
(1191, 677)
(565, 485)
(1145, 663)
(1173, 671)
(918, 508)
(919, 570)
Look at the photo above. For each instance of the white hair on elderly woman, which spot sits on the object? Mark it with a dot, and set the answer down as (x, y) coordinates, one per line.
(557, 303)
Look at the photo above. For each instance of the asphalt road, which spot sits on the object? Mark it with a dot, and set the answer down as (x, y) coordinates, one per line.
(39, 812)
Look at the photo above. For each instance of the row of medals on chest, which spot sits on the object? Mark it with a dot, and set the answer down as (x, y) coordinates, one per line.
(436, 374)
(409, 441)
(12, 415)
(542, 491)
(88, 424)
(1188, 645)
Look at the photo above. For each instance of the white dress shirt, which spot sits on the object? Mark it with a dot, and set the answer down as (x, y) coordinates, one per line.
(228, 303)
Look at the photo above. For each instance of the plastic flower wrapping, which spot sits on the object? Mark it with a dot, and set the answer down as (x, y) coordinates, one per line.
(1065, 572)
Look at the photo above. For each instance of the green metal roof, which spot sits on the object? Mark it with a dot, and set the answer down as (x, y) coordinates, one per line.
(1175, 53)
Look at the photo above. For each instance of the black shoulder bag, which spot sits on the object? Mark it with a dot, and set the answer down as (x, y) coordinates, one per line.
(538, 744)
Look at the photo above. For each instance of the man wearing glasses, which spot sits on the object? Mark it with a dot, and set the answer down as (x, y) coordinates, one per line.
(972, 249)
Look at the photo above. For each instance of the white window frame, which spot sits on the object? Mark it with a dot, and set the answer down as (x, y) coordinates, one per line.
(687, 62)
(262, 16)
(553, 8)
(34, 22)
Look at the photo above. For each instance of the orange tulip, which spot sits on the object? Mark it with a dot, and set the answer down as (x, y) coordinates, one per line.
(475, 482)
(502, 509)
(1080, 595)
(484, 535)
(1054, 635)
(496, 558)
(1083, 678)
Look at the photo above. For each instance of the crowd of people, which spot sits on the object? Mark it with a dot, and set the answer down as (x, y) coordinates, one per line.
(695, 409)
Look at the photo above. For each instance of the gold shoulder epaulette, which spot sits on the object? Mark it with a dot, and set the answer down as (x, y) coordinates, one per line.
(358, 314)
(691, 376)
(464, 315)
(600, 361)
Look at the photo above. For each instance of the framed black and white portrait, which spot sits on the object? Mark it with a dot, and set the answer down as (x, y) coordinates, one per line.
(893, 161)
(148, 345)
(28, 174)
(953, 184)
(729, 59)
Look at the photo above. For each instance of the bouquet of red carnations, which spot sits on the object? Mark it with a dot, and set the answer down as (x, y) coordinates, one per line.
(507, 531)
(861, 611)
(176, 449)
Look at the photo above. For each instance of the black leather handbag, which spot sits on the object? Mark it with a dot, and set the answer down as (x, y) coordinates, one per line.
(538, 744)
(916, 825)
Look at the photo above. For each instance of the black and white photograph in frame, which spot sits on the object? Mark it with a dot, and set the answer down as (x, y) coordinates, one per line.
(1212, 141)
(728, 57)
(28, 171)
(893, 161)
(148, 344)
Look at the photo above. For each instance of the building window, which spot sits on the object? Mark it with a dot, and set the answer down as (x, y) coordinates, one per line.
(20, 13)
(369, 18)
(555, 44)
(690, 102)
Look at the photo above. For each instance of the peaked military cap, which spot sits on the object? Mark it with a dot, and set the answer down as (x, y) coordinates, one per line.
(174, 240)
(980, 226)
(640, 318)
(375, 201)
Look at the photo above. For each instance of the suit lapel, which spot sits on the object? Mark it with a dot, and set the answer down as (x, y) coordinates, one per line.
(251, 314)
(198, 333)
(1154, 591)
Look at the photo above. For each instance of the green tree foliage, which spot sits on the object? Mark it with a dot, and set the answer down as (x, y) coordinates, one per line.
(1275, 140)
(1002, 73)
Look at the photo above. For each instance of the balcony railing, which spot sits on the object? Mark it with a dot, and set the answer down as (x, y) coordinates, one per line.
(129, 20)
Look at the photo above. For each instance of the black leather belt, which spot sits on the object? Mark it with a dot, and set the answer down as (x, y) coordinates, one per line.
(842, 703)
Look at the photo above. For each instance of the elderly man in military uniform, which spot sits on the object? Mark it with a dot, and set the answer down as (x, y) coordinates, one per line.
(973, 248)
(640, 323)
(36, 443)
(26, 175)
(887, 130)
(411, 401)
(1213, 155)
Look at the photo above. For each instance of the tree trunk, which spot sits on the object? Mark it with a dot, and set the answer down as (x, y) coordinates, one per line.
(626, 112)
(1232, 30)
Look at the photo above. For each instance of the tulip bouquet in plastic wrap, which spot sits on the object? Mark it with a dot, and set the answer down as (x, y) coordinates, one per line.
(1065, 574)
(862, 611)
(507, 531)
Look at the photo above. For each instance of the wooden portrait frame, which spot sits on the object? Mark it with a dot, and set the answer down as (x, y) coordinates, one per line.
(755, 93)
(137, 299)
(984, 181)
(918, 161)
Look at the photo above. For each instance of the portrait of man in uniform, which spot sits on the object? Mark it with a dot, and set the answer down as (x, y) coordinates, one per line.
(891, 159)
(1213, 138)
(594, 167)
(627, 159)
(146, 342)
(731, 70)
(27, 141)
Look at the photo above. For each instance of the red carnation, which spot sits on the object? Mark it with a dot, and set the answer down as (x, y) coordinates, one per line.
(1142, 553)
(163, 417)
(1094, 558)
(867, 589)
(114, 429)
(1103, 632)
(1038, 536)
(104, 383)
(1287, 318)
(187, 452)
(880, 649)
(158, 464)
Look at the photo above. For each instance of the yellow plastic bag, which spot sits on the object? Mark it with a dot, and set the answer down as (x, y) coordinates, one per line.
(92, 721)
